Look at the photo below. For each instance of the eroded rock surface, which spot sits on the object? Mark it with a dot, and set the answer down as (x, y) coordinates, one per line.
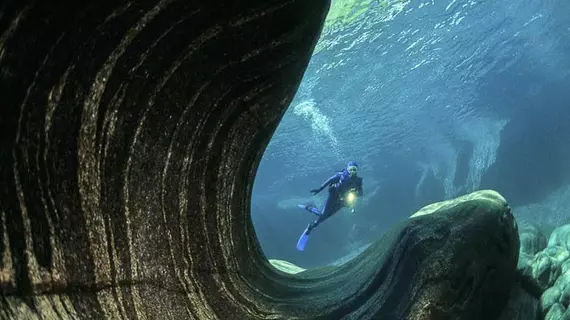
(545, 269)
(532, 241)
(556, 312)
(560, 237)
(286, 266)
(548, 269)
(131, 134)
(550, 297)
(521, 306)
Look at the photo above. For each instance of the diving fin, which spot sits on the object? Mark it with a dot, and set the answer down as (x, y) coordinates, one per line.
(311, 208)
(302, 243)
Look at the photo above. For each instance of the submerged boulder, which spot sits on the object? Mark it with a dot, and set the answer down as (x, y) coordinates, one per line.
(532, 241)
(555, 313)
(545, 269)
(470, 247)
(285, 266)
(549, 270)
(566, 315)
(560, 237)
(558, 254)
(564, 296)
(521, 306)
(565, 266)
(563, 281)
(549, 298)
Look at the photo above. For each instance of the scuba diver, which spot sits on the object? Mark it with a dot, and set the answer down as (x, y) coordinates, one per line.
(344, 187)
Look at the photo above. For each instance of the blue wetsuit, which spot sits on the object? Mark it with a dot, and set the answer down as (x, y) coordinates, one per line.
(339, 185)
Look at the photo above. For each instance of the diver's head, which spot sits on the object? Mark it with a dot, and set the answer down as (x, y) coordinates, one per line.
(352, 168)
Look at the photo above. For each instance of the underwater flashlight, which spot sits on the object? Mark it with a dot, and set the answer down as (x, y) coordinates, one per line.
(350, 197)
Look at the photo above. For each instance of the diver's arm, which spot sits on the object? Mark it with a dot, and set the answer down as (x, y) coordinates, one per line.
(331, 180)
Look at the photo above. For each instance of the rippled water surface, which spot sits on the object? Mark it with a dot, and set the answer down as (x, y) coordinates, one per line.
(432, 99)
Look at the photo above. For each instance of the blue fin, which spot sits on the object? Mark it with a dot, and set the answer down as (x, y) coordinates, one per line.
(302, 243)
(311, 208)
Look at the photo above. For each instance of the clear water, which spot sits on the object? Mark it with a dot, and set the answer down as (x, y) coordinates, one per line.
(433, 99)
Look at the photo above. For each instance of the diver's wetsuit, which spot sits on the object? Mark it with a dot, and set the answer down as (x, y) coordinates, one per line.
(339, 184)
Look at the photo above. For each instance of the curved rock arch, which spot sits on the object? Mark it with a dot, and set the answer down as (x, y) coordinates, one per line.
(131, 133)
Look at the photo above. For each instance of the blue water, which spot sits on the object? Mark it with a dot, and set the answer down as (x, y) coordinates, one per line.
(433, 100)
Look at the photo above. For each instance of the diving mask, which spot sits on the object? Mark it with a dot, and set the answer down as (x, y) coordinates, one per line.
(352, 170)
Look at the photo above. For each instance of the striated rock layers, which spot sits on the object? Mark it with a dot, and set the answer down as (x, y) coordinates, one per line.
(130, 137)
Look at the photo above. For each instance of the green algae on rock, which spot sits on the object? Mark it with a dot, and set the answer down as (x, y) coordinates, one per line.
(347, 15)
(285, 266)
(490, 196)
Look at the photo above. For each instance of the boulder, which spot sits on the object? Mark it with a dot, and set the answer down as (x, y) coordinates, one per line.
(566, 315)
(521, 306)
(565, 296)
(556, 312)
(532, 238)
(565, 266)
(558, 253)
(560, 237)
(285, 266)
(563, 281)
(545, 269)
(532, 241)
(550, 297)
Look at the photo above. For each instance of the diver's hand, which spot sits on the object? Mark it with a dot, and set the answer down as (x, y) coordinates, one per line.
(315, 191)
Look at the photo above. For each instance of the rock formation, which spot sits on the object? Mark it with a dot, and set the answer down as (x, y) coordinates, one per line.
(550, 269)
(131, 133)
